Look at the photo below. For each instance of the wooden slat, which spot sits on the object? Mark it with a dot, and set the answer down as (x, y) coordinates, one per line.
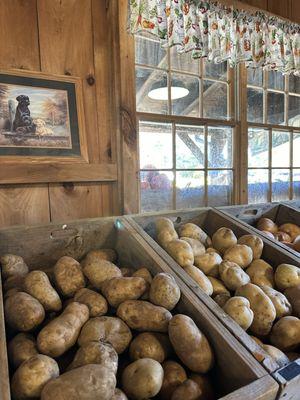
(282, 8)
(66, 47)
(24, 204)
(72, 201)
(36, 173)
(295, 11)
(4, 375)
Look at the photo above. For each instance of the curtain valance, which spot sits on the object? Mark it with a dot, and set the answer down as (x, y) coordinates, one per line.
(219, 32)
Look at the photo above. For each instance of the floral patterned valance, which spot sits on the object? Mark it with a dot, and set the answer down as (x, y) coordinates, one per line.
(218, 32)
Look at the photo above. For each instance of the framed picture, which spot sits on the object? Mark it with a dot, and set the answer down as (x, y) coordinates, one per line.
(41, 116)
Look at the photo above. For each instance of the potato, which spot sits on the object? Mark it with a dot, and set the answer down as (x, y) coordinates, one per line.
(200, 278)
(188, 390)
(293, 295)
(193, 231)
(174, 375)
(62, 332)
(150, 345)
(232, 275)
(12, 266)
(190, 344)
(181, 251)
(163, 223)
(221, 299)
(165, 236)
(32, 375)
(212, 250)
(127, 272)
(21, 348)
(68, 276)
(209, 263)
(96, 303)
(205, 385)
(23, 312)
(270, 235)
(218, 287)
(280, 302)
(107, 329)
(239, 310)
(285, 334)
(14, 282)
(253, 241)
(261, 273)
(11, 292)
(282, 237)
(117, 290)
(240, 254)
(291, 229)
(144, 316)
(277, 355)
(286, 276)
(37, 284)
(103, 254)
(143, 273)
(262, 307)
(164, 291)
(223, 239)
(266, 224)
(142, 379)
(96, 352)
(197, 247)
(119, 395)
(90, 382)
(100, 271)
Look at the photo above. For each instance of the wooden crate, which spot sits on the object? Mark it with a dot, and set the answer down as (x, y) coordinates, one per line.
(238, 375)
(280, 213)
(210, 220)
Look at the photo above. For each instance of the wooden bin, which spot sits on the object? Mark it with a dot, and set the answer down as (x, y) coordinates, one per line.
(210, 220)
(280, 213)
(238, 375)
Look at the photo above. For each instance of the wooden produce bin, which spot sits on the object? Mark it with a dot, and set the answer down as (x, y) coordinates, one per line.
(210, 220)
(237, 374)
(280, 213)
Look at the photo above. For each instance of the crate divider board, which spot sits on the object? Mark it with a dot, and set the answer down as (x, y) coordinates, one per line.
(43, 245)
(280, 213)
(211, 220)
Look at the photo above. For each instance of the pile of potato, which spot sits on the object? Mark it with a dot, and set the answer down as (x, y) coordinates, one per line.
(91, 326)
(257, 296)
(288, 234)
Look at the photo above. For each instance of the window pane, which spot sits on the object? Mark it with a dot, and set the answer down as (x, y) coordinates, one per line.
(275, 108)
(214, 100)
(294, 84)
(156, 190)
(255, 106)
(155, 145)
(280, 149)
(183, 62)
(296, 150)
(255, 76)
(258, 146)
(215, 71)
(294, 111)
(280, 184)
(258, 185)
(187, 103)
(148, 80)
(190, 189)
(219, 189)
(148, 51)
(189, 147)
(219, 142)
(296, 183)
(275, 80)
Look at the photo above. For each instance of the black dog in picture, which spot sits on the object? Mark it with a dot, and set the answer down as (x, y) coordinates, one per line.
(23, 122)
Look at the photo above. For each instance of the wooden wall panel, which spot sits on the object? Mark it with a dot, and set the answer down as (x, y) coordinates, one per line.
(74, 201)
(282, 8)
(289, 9)
(295, 11)
(24, 205)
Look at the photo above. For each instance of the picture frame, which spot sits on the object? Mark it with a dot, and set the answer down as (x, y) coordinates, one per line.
(41, 118)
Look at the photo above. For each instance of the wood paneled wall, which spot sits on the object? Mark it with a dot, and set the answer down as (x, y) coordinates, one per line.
(285, 8)
(66, 37)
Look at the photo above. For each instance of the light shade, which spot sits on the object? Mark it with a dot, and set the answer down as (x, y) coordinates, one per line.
(161, 93)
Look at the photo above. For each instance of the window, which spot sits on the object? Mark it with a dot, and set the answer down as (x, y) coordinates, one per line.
(186, 129)
(273, 113)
